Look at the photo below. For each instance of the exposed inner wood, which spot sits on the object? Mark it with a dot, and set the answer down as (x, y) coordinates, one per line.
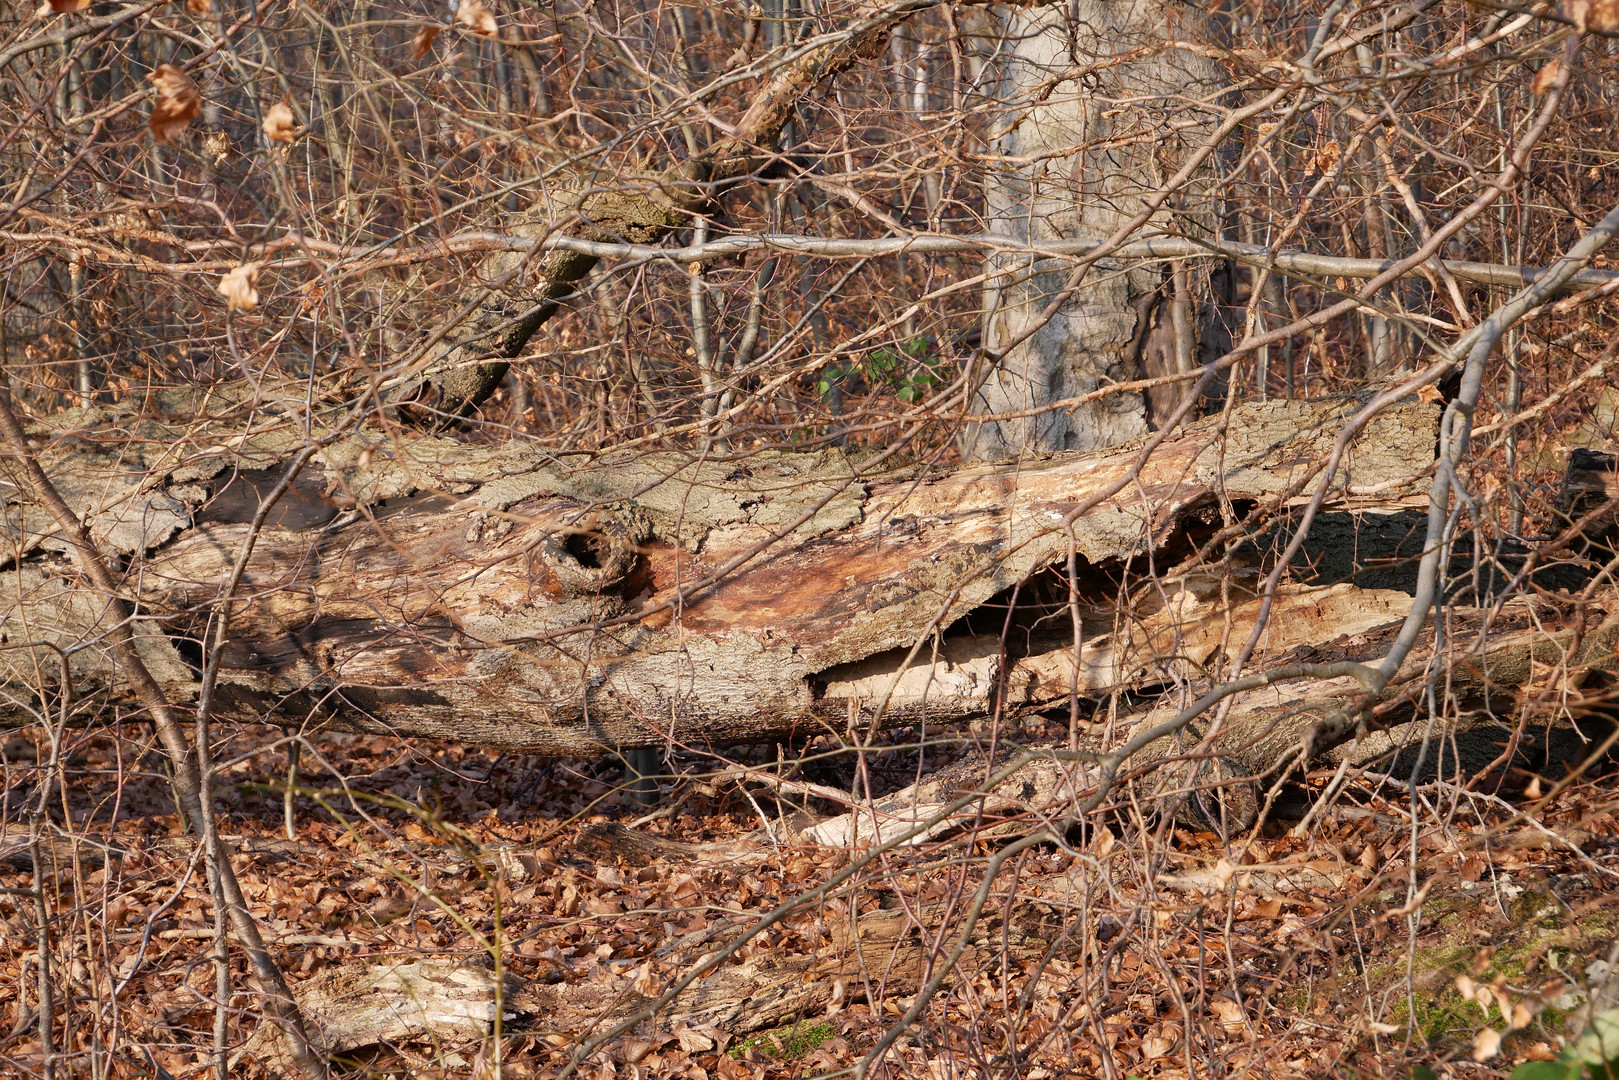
(566, 606)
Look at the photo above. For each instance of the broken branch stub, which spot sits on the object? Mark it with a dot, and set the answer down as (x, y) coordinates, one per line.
(516, 598)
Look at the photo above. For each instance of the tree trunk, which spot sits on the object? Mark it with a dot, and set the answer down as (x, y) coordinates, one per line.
(515, 294)
(502, 596)
(1086, 163)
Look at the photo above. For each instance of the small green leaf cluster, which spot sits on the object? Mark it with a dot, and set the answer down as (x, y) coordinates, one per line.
(787, 1044)
(909, 370)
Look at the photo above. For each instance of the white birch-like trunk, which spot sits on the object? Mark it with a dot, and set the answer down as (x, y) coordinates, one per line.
(1100, 111)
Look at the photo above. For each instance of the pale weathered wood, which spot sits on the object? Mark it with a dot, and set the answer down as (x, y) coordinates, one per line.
(511, 597)
(1268, 727)
(436, 999)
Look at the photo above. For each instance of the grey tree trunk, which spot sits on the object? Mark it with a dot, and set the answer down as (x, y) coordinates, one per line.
(1088, 136)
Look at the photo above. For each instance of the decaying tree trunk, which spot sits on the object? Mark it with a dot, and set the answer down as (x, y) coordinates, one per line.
(569, 605)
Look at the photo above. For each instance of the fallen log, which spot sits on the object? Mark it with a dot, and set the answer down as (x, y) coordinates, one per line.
(1216, 765)
(515, 598)
(883, 955)
(439, 999)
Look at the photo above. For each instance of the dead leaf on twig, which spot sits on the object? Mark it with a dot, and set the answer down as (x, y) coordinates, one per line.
(238, 287)
(422, 43)
(279, 123)
(473, 15)
(1545, 77)
(1326, 158)
(177, 102)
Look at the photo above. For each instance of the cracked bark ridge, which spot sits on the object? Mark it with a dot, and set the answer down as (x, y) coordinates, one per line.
(511, 597)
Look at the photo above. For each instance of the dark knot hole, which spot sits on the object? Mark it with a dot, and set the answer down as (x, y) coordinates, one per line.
(589, 549)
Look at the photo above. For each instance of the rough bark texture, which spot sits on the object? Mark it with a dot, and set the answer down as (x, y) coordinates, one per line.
(889, 954)
(1591, 490)
(1266, 727)
(1086, 165)
(566, 606)
(439, 999)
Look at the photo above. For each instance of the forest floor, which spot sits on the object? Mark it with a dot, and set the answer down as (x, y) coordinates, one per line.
(1282, 955)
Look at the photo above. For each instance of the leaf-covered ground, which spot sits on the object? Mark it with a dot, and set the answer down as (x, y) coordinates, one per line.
(1371, 944)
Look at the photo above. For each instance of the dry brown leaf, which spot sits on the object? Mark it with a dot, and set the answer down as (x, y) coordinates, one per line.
(217, 143)
(200, 7)
(1522, 1015)
(1105, 842)
(1156, 1046)
(177, 102)
(1465, 987)
(237, 287)
(646, 982)
(1224, 872)
(1486, 1044)
(635, 1050)
(313, 294)
(1228, 1012)
(568, 903)
(279, 123)
(1430, 395)
(473, 15)
(1545, 77)
(422, 43)
(1326, 158)
(1594, 16)
(1268, 908)
(64, 7)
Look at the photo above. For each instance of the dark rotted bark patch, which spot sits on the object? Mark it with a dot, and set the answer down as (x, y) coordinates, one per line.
(418, 650)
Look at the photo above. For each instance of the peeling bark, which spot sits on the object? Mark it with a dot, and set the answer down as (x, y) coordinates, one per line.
(1085, 167)
(1268, 727)
(509, 597)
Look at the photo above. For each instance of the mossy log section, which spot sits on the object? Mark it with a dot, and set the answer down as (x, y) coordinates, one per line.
(565, 605)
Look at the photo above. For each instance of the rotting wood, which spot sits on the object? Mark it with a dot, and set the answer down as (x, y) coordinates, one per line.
(451, 1000)
(435, 999)
(1591, 487)
(510, 597)
(1262, 729)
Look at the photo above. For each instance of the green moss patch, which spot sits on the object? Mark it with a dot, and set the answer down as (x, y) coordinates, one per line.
(788, 1043)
